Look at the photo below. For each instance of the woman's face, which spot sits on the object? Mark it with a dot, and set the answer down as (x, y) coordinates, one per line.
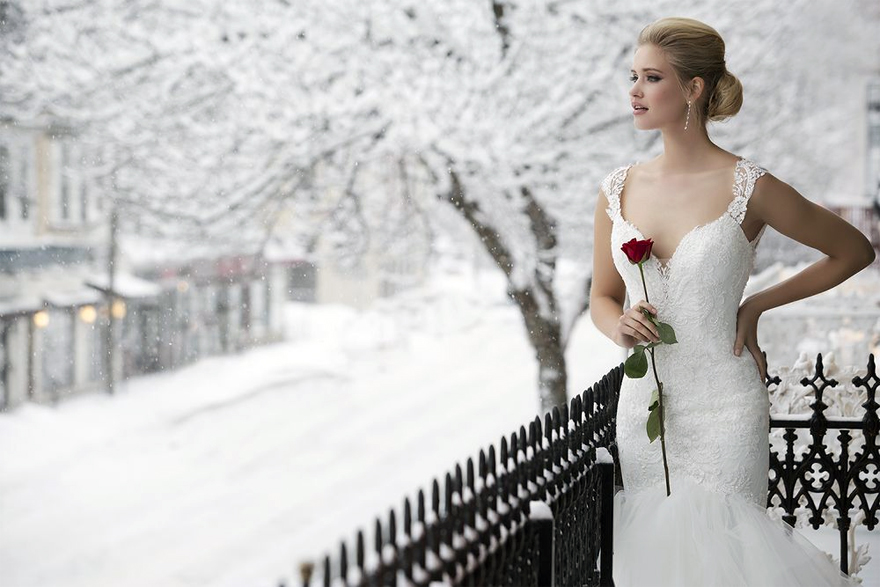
(656, 96)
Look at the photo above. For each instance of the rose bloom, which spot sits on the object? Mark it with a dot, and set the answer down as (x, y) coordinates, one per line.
(637, 251)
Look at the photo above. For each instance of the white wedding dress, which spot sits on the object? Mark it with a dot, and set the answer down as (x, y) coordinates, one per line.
(714, 529)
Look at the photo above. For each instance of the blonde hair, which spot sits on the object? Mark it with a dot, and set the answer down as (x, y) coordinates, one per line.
(694, 49)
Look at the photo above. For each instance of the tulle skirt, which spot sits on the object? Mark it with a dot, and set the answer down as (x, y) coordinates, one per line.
(697, 537)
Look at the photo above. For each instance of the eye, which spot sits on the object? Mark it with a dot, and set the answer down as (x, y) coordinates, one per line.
(651, 78)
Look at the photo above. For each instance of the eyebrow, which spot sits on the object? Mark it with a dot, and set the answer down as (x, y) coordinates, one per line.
(647, 69)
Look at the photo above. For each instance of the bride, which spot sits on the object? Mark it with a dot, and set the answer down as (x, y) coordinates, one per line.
(705, 210)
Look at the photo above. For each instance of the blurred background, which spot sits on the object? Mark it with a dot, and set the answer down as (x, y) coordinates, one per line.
(265, 268)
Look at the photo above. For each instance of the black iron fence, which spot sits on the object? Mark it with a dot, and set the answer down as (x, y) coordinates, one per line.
(825, 475)
(538, 514)
(541, 513)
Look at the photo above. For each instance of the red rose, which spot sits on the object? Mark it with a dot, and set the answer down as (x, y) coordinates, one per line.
(637, 251)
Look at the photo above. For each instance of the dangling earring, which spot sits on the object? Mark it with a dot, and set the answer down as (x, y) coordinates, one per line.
(688, 119)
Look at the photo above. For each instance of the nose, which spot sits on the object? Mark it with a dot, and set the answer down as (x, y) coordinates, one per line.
(635, 90)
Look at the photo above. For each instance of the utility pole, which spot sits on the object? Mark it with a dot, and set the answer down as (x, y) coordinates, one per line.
(110, 338)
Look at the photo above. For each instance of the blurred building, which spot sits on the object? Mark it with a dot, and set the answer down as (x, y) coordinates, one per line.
(356, 257)
(207, 306)
(63, 329)
(49, 244)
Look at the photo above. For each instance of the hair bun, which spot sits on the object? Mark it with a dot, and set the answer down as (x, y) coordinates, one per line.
(726, 99)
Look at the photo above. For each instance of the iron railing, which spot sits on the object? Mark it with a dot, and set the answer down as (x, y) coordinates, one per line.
(815, 478)
(540, 515)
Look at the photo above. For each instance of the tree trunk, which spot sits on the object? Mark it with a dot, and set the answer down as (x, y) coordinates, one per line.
(535, 298)
(545, 337)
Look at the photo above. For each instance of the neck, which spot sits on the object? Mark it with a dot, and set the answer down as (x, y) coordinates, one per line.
(686, 150)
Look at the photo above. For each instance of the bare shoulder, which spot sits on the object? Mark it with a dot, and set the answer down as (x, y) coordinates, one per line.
(648, 168)
(601, 199)
(781, 206)
(771, 192)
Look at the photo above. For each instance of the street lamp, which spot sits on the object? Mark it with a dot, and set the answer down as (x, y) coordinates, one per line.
(41, 319)
(88, 314)
(118, 309)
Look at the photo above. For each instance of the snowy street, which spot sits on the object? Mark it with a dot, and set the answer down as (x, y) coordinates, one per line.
(234, 470)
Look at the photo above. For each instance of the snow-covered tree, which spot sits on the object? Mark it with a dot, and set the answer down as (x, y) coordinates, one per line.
(207, 119)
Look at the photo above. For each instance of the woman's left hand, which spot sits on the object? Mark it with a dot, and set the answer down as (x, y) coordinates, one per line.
(747, 336)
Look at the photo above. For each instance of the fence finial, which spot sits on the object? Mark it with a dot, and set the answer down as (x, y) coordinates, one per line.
(306, 569)
(359, 551)
(343, 562)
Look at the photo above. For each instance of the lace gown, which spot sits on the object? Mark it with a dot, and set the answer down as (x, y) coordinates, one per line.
(714, 528)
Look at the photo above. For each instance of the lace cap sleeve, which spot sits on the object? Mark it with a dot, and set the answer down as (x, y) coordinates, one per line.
(745, 176)
(612, 185)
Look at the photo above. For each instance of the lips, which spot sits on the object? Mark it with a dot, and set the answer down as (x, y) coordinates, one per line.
(638, 107)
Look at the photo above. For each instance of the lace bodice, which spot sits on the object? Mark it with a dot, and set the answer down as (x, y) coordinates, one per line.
(705, 276)
(716, 404)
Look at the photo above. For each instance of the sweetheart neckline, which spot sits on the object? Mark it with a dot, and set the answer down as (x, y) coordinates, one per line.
(664, 268)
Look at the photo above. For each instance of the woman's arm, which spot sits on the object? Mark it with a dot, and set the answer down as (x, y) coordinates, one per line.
(847, 252)
(608, 292)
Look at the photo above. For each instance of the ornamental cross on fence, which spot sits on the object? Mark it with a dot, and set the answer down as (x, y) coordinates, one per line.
(823, 477)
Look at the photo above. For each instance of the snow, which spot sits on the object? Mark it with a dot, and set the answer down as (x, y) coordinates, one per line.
(604, 456)
(234, 470)
(538, 510)
(228, 124)
(126, 285)
(20, 305)
(80, 297)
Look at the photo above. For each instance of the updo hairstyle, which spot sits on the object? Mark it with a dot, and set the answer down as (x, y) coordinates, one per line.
(695, 49)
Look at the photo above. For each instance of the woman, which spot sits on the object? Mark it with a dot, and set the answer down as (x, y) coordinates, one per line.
(705, 210)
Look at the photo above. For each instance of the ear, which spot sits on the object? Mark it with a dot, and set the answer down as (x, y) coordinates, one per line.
(695, 88)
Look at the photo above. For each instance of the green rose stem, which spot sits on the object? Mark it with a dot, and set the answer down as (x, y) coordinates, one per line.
(659, 394)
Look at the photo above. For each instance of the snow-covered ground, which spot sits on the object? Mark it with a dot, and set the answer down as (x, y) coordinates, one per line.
(233, 471)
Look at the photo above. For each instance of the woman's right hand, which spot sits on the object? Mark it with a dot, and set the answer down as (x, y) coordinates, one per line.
(633, 327)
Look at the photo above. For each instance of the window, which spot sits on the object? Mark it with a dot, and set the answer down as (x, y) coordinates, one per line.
(16, 179)
(23, 199)
(65, 184)
(4, 179)
(83, 202)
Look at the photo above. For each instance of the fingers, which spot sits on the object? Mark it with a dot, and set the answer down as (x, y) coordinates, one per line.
(635, 324)
(653, 335)
(762, 364)
(758, 355)
(738, 345)
(740, 341)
